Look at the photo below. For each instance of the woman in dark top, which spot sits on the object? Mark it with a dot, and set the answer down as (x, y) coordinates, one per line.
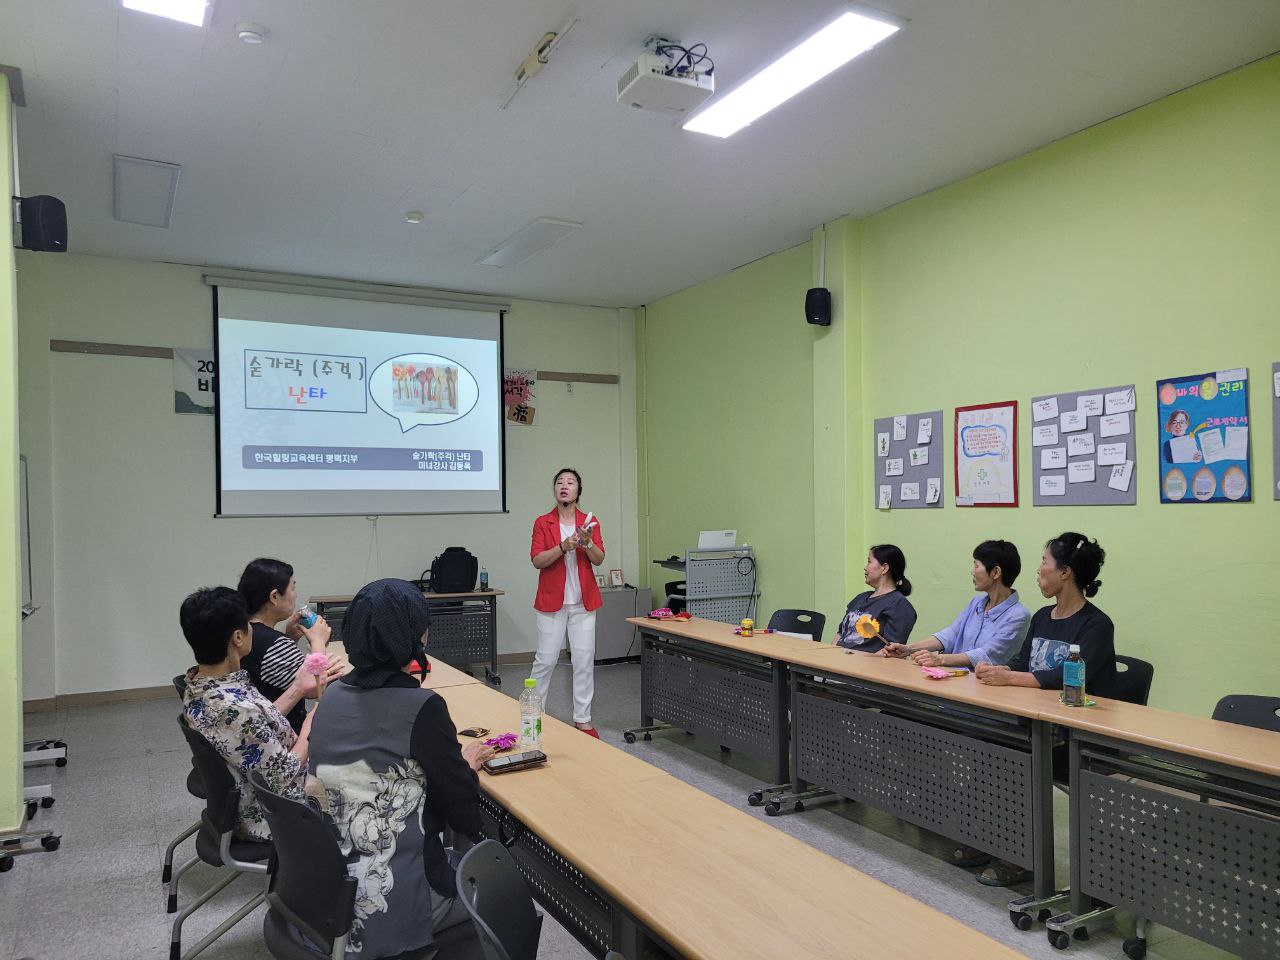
(271, 594)
(1068, 574)
(393, 777)
(886, 574)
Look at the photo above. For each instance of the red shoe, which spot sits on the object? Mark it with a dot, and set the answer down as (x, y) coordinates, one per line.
(590, 731)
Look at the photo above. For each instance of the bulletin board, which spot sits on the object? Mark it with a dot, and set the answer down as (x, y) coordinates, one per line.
(1275, 429)
(986, 441)
(908, 458)
(1203, 423)
(1084, 448)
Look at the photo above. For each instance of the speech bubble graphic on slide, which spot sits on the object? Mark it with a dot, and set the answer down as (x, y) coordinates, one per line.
(423, 389)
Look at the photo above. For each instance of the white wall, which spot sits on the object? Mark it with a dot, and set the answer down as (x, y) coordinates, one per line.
(122, 520)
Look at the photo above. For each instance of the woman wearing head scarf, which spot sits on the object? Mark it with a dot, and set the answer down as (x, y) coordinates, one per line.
(387, 753)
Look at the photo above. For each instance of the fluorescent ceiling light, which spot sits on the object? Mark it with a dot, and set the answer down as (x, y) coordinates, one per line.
(850, 34)
(184, 11)
(145, 190)
(527, 241)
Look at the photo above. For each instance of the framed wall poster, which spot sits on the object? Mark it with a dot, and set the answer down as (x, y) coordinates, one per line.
(1204, 437)
(986, 442)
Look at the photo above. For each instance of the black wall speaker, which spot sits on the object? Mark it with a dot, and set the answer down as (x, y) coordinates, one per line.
(44, 224)
(817, 306)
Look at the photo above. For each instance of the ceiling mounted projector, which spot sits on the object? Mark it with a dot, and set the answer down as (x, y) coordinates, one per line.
(650, 84)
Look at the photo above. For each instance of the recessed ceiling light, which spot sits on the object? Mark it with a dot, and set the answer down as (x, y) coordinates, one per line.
(184, 11)
(525, 242)
(413, 216)
(251, 33)
(853, 32)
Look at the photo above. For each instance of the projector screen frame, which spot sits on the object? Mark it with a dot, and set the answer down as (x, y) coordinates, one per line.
(340, 293)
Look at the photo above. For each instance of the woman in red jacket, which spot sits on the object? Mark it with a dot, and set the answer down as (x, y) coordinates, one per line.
(564, 554)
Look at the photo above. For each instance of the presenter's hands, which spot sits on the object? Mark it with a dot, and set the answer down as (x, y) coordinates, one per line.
(992, 675)
(317, 634)
(568, 543)
(582, 538)
(476, 753)
(898, 650)
(927, 658)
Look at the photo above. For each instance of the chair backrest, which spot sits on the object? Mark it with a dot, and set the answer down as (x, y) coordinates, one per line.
(798, 621)
(499, 902)
(180, 684)
(222, 793)
(1250, 710)
(676, 588)
(1133, 680)
(310, 886)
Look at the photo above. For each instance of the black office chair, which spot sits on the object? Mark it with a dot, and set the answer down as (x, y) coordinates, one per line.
(799, 621)
(1133, 680)
(310, 898)
(195, 787)
(1249, 710)
(216, 845)
(676, 599)
(499, 902)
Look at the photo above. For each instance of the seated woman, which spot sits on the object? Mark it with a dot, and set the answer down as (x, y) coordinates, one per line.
(271, 594)
(1068, 574)
(249, 731)
(393, 776)
(886, 601)
(990, 627)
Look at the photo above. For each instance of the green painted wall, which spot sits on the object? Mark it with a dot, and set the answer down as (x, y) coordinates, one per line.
(10, 575)
(726, 407)
(1148, 246)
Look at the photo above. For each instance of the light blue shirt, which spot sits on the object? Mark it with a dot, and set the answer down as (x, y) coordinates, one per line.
(987, 636)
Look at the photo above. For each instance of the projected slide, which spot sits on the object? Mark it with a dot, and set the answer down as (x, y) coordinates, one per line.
(317, 419)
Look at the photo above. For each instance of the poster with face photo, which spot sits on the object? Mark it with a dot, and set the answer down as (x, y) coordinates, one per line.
(1204, 438)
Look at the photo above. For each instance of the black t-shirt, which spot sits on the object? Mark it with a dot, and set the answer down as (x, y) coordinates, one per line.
(894, 611)
(272, 664)
(1047, 642)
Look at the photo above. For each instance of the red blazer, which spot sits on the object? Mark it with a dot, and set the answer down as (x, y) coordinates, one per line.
(546, 534)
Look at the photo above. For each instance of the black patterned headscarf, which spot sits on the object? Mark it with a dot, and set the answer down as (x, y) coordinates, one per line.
(383, 630)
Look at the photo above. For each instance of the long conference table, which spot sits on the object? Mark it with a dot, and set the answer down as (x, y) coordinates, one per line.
(1173, 817)
(629, 858)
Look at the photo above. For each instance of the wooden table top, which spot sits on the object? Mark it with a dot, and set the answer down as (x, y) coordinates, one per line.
(443, 675)
(829, 658)
(1228, 743)
(713, 881)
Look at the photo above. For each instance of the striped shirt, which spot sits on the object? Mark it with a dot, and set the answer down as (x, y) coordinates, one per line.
(272, 664)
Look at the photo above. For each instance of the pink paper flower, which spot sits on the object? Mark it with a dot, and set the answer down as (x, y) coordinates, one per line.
(316, 664)
(503, 741)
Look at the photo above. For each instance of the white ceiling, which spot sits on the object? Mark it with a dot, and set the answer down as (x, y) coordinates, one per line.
(302, 155)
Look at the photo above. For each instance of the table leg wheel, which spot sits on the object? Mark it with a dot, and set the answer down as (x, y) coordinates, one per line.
(6, 863)
(1059, 940)
(772, 808)
(32, 807)
(1020, 920)
(1135, 949)
(799, 807)
(61, 761)
(1044, 915)
(50, 843)
(629, 737)
(46, 802)
(648, 737)
(755, 798)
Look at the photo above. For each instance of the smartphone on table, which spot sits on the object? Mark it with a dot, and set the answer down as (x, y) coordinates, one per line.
(514, 761)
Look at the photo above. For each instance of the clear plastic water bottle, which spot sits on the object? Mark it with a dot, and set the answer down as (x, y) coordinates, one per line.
(484, 579)
(307, 617)
(1073, 678)
(530, 716)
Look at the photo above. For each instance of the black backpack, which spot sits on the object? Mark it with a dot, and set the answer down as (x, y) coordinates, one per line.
(454, 571)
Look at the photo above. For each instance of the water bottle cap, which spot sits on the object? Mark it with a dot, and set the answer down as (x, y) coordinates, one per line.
(1075, 648)
(530, 683)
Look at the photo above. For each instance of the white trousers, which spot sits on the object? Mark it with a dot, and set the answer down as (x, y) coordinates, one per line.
(580, 626)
